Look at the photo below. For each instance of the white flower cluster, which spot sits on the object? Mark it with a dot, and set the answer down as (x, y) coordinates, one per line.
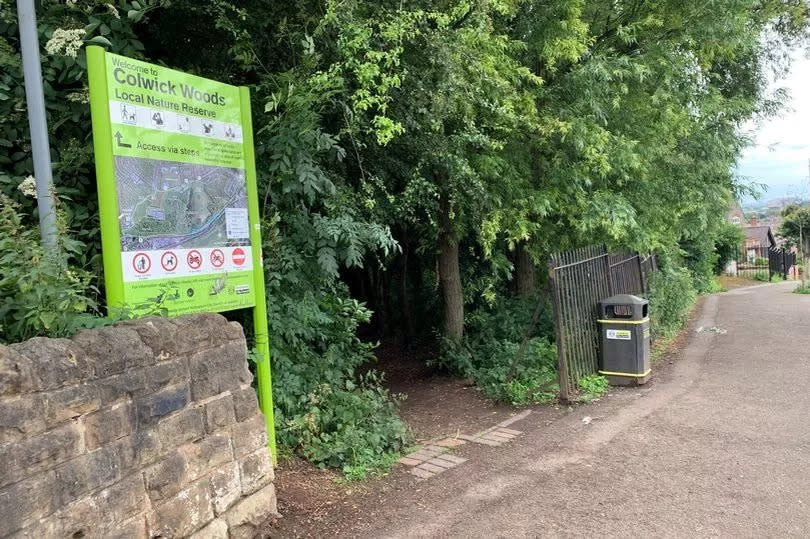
(82, 96)
(112, 10)
(65, 42)
(28, 187)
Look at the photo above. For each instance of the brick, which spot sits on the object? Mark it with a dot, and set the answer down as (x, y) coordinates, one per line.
(87, 472)
(183, 427)
(70, 403)
(108, 425)
(122, 500)
(207, 454)
(167, 478)
(161, 375)
(441, 463)
(407, 461)
(16, 374)
(501, 438)
(509, 431)
(113, 350)
(219, 414)
(245, 403)
(431, 467)
(245, 517)
(226, 488)
(54, 363)
(421, 472)
(250, 435)
(255, 471)
(157, 405)
(183, 514)
(216, 529)
(479, 440)
(24, 503)
(39, 453)
(451, 458)
(20, 418)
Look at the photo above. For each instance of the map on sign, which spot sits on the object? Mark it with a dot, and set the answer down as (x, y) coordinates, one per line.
(166, 205)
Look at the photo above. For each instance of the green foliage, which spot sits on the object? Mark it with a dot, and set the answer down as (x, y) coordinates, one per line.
(593, 387)
(42, 293)
(727, 243)
(505, 364)
(762, 276)
(672, 295)
(802, 289)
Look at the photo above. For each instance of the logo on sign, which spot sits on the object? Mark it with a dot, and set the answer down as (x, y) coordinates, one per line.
(168, 261)
(141, 263)
(194, 259)
(238, 256)
(217, 258)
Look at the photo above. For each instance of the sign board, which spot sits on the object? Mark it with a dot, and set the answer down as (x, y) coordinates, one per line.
(620, 334)
(177, 187)
(178, 203)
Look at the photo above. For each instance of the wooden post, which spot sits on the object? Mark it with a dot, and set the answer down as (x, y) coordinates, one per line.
(558, 330)
(641, 275)
(608, 272)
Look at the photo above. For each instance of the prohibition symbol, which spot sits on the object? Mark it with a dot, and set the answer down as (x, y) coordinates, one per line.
(141, 263)
(194, 259)
(238, 256)
(169, 261)
(217, 258)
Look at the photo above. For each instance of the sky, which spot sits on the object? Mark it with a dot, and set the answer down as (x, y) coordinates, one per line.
(779, 156)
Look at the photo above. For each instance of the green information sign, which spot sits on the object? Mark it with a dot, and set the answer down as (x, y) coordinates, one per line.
(177, 195)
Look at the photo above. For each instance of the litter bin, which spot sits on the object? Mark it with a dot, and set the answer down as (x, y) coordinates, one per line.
(624, 326)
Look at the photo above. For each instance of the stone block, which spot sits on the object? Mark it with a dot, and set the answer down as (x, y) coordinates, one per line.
(20, 417)
(166, 478)
(249, 435)
(81, 518)
(16, 375)
(255, 471)
(151, 408)
(183, 514)
(39, 453)
(128, 384)
(156, 332)
(157, 377)
(225, 487)
(245, 517)
(245, 403)
(218, 369)
(219, 414)
(207, 454)
(88, 472)
(113, 350)
(54, 363)
(139, 449)
(134, 528)
(122, 500)
(70, 403)
(23, 504)
(108, 425)
(216, 529)
(185, 426)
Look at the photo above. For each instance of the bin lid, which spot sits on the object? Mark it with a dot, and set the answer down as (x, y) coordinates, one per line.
(624, 299)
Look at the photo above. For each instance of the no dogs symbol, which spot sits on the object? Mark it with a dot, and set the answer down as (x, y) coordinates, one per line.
(169, 261)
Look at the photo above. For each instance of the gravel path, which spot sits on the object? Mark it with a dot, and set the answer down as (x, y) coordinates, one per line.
(718, 444)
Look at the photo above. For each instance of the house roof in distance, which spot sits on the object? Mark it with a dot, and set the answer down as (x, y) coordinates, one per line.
(762, 233)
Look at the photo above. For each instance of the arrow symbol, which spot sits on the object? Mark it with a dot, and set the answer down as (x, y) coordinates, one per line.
(118, 136)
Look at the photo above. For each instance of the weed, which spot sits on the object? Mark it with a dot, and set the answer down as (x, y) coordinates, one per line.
(805, 289)
(592, 387)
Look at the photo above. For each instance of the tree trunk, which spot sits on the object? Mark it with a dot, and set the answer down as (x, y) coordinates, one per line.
(405, 298)
(449, 274)
(525, 278)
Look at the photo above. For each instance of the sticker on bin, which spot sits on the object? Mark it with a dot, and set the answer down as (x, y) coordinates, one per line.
(620, 334)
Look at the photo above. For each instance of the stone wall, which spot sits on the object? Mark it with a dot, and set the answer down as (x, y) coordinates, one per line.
(146, 429)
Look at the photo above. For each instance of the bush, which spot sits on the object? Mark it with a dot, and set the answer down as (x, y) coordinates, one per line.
(726, 244)
(41, 294)
(762, 276)
(672, 295)
(495, 356)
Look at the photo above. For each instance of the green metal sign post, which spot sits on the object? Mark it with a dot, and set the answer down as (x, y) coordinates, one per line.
(178, 202)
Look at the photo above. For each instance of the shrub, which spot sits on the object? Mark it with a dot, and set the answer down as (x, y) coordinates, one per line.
(672, 295)
(41, 293)
(592, 387)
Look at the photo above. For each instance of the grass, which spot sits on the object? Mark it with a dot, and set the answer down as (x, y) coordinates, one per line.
(802, 289)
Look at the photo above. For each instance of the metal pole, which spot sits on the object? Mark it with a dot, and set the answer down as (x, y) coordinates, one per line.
(40, 149)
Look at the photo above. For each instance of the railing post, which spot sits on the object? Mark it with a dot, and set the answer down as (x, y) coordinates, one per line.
(562, 360)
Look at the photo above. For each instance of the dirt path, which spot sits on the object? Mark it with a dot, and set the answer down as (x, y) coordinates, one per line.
(717, 445)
